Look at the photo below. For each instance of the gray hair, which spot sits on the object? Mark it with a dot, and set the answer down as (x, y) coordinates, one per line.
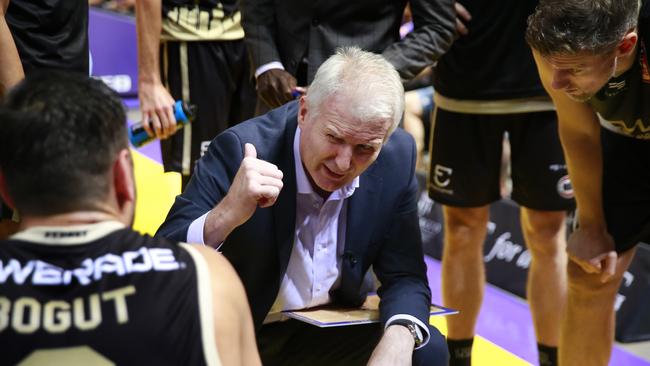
(372, 83)
(574, 26)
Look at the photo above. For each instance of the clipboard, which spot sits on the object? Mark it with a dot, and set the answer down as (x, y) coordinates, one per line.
(338, 316)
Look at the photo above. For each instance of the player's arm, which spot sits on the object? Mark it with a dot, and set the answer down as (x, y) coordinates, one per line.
(274, 84)
(11, 71)
(434, 29)
(156, 103)
(579, 131)
(233, 324)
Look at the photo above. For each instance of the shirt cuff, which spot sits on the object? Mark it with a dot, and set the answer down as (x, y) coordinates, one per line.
(424, 328)
(195, 231)
(266, 67)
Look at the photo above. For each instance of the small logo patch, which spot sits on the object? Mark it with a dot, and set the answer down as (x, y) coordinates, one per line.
(442, 175)
(564, 187)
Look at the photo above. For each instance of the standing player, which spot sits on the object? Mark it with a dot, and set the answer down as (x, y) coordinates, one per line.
(487, 85)
(191, 50)
(592, 59)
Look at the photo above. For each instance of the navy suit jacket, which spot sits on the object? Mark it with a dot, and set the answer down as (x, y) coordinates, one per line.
(382, 222)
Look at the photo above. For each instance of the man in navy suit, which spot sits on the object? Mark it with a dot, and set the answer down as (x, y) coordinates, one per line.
(304, 200)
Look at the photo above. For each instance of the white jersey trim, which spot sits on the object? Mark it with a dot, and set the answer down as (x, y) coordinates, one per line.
(206, 308)
(505, 106)
(68, 235)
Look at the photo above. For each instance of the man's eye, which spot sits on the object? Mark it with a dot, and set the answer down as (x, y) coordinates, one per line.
(334, 139)
(366, 148)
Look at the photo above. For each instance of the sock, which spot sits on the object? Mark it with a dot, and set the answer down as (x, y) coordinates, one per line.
(547, 355)
(460, 351)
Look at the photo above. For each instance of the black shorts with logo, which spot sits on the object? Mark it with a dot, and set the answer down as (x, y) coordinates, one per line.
(466, 154)
(626, 189)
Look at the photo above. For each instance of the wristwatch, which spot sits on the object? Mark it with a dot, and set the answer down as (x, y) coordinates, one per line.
(413, 328)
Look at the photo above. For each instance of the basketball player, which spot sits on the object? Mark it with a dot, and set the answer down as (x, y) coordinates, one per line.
(77, 285)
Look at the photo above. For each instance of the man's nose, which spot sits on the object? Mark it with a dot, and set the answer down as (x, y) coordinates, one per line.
(560, 79)
(343, 158)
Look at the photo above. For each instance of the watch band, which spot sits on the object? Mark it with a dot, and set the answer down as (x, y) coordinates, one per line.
(413, 328)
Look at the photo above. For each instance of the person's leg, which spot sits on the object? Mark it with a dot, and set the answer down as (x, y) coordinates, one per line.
(413, 122)
(170, 70)
(464, 177)
(545, 236)
(296, 343)
(202, 73)
(541, 186)
(587, 330)
(463, 275)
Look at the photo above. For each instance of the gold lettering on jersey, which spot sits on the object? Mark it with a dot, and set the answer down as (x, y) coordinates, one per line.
(5, 306)
(26, 318)
(26, 315)
(94, 310)
(56, 316)
(119, 298)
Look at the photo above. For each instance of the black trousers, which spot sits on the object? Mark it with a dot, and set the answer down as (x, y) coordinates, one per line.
(293, 342)
(214, 76)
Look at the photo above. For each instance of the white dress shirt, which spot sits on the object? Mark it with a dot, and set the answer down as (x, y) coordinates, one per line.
(315, 263)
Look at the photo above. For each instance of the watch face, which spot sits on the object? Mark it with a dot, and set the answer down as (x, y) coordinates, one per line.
(415, 332)
(413, 328)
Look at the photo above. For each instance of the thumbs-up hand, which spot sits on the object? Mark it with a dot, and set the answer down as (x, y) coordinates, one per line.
(257, 183)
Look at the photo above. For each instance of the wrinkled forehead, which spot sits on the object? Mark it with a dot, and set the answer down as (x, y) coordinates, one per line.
(582, 60)
(354, 111)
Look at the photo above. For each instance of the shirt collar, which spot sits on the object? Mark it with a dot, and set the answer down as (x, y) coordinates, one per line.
(302, 182)
(68, 235)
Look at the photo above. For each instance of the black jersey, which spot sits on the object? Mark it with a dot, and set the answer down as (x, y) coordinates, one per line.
(493, 58)
(50, 34)
(623, 104)
(103, 293)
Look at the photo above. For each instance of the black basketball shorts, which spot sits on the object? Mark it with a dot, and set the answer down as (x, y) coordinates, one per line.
(626, 189)
(466, 154)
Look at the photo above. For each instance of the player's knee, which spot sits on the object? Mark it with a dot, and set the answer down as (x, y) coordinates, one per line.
(434, 353)
(545, 231)
(459, 221)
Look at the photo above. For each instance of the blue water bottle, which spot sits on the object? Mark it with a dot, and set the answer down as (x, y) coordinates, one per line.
(183, 112)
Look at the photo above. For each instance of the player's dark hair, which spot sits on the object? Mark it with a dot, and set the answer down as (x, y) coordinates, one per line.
(60, 134)
(575, 26)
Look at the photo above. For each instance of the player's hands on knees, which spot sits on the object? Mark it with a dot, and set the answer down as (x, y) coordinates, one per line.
(275, 87)
(257, 183)
(157, 108)
(593, 250)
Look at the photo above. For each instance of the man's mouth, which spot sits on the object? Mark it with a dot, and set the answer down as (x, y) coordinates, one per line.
(333, 173)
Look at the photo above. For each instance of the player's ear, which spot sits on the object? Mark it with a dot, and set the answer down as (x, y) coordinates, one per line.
(302, 112)
(626, 45)
(124, 183)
